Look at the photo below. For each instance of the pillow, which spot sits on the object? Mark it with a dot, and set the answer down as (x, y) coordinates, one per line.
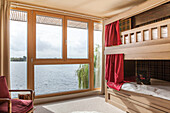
(4, 92)
(143, 78)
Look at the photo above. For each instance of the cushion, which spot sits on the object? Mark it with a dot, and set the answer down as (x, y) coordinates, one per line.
(18, 106)
(4, 92)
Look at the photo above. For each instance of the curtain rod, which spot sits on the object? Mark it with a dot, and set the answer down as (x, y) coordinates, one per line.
(51, 10)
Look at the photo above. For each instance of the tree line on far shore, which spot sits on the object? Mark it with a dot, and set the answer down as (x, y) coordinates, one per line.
(24, 58)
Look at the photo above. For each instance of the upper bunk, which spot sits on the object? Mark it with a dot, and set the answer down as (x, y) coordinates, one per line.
(150, 41)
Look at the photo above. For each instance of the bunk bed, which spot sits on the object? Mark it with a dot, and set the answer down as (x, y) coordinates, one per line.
(148, 42)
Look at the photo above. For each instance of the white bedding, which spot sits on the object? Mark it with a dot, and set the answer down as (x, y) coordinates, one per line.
(158, 88)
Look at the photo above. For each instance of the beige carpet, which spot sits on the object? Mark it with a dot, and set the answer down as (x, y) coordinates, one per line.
(93, 104)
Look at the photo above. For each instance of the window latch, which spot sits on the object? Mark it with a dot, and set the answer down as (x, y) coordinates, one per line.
(65, 42)
(31, 60)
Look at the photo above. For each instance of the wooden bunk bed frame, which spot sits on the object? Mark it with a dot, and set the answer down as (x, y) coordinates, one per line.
(144, 49)
(153, 46)
(136, 102)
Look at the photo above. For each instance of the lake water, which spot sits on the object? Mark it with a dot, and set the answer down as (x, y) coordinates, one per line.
(48, 78)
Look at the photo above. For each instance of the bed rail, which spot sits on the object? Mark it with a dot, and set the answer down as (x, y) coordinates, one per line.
(155, 31)
(146, 42)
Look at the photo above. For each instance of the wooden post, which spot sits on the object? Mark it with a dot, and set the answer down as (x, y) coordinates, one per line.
(135, 36)
(168, 27)
(106, 94)
(91, 28)
(159, 32)
(103, 62)
(9, 106)
(142, 35)
(150, 34)
(129, 37)
(123, 39)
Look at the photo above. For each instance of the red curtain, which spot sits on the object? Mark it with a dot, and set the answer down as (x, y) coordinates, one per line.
(112, 34)
(114, 70)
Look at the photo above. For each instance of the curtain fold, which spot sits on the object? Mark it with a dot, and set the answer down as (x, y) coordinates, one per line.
(115, 71)
(112, 34)
(4, 40)
(114, 68)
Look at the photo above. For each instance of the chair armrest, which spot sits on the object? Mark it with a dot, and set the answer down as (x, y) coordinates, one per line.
(4, 100)
(9, 103)
(25, 90)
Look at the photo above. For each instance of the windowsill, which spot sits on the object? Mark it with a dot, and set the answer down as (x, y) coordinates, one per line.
(64, 97)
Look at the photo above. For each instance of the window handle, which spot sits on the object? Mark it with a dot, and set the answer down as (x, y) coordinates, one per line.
(31, 60)
(65, 42)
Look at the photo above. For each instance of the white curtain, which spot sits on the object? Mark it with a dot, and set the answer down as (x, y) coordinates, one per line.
(4, 40)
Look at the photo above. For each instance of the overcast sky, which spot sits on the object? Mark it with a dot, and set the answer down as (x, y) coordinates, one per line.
(49, 41)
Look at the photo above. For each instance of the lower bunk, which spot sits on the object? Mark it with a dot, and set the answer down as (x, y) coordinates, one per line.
(133, 102)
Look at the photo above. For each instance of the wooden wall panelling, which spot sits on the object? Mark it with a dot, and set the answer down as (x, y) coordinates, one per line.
(136, 10)
(152, 14)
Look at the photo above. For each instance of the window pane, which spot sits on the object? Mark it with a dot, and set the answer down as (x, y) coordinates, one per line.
(60, 78)
(97, 54)
(77, 39)
(18, 50)
(48, 37)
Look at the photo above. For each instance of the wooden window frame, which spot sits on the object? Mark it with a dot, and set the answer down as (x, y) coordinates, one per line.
(93, 55)
(28, 42)
(31, 50)
(35, 13)
(78, 20)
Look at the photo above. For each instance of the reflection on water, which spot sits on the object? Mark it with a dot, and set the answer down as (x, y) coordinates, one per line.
(18, 76)
(55, 78)
(48, 78)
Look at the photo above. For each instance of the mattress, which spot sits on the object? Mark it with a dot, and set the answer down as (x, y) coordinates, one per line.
(158, 88)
